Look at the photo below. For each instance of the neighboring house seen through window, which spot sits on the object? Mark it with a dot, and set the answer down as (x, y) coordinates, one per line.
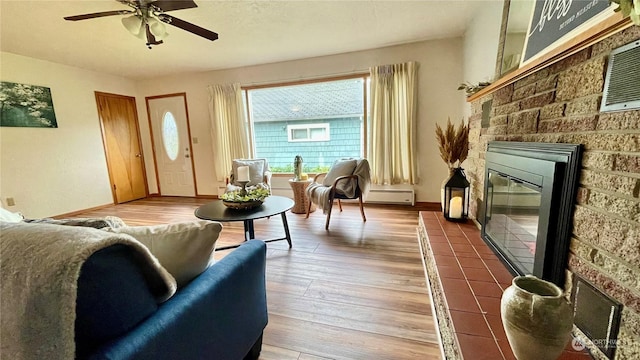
(322, 121)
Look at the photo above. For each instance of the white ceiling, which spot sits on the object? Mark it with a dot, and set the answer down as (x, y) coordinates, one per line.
(251, 32)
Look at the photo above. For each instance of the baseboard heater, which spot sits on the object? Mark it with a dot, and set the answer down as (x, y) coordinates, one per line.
(392, 196)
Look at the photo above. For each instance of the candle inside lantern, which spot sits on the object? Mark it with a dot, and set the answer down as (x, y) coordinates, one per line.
(243, 173)
(455, 208)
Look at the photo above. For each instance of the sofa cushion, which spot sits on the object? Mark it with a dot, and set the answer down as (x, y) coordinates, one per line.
(339, 168)
(219, 315)
(185, 249)
(112, 297)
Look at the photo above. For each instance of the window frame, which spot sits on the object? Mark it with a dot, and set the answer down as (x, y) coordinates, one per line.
(365, 76)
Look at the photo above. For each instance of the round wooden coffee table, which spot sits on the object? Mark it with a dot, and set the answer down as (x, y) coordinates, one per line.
(273, 205)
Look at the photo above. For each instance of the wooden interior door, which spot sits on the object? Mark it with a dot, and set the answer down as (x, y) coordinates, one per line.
(121, 137)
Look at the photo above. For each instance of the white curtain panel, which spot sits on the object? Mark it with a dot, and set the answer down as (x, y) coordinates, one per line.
(229, 131)
(392, 124)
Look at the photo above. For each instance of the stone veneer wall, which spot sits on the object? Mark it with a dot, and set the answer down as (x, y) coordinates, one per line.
(559, 104)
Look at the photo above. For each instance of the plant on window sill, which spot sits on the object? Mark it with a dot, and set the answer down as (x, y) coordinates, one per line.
(288, 169)
(629, 8)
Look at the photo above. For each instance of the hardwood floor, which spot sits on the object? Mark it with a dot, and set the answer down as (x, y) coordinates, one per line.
(356, 291)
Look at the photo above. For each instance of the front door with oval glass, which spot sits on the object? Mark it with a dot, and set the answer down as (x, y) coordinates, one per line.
(172, 148)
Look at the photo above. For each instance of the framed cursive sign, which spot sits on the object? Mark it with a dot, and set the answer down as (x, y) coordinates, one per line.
(555, 20)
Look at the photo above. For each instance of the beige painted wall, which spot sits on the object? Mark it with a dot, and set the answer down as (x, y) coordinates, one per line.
(480, 46)
(439, 74)
(55, 171)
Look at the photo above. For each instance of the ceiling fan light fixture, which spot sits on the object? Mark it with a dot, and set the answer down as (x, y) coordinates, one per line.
(133, 24)
(157, 28)
(146, 19)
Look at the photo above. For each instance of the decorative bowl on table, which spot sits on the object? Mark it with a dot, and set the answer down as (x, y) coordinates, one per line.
(243, 205)
(243, 200)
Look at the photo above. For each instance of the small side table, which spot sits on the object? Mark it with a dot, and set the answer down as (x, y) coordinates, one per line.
(300, 197)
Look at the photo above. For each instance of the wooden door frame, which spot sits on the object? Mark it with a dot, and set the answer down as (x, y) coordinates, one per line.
(106, 150)
(153, 145)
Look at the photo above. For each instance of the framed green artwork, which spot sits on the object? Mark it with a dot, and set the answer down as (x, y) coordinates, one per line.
(24, 105)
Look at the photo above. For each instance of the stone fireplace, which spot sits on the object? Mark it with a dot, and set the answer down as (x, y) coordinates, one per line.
(526, 218)
(560, 104)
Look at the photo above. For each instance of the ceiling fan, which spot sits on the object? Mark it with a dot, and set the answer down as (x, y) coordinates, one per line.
(148, 18)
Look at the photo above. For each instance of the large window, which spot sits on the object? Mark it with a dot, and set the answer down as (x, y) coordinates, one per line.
(320, 121)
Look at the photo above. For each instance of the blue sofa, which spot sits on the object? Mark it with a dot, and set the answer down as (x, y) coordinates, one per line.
(220, 315)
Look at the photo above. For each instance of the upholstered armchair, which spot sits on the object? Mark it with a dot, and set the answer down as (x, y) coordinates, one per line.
(347, 179)
(259, 174)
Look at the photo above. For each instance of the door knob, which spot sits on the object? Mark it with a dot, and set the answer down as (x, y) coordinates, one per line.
(138, 155)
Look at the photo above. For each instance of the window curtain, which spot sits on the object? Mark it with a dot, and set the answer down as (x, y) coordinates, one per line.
(228, 127)
(391, 151)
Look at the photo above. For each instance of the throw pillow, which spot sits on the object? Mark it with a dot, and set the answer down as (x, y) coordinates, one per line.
(343, 167)
(185, 249)
(8, 216)
(256, 170)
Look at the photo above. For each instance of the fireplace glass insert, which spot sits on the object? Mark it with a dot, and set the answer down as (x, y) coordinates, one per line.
(512, 218)
(529, 195)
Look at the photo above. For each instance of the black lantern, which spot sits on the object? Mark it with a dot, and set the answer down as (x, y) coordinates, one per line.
(456, 197)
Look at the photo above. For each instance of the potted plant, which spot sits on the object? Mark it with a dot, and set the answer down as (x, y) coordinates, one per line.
(453, 144)
(630, 8)
(247, 199)
(471, 89)
(454, 148)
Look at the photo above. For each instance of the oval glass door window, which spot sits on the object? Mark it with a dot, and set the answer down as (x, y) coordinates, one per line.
(170, 135)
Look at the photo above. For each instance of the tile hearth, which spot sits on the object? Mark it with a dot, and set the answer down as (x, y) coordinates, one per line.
(467, 280)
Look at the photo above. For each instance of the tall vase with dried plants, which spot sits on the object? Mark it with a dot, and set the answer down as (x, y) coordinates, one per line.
(454, 148)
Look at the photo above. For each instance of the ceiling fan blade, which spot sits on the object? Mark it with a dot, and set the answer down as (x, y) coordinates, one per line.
(98, 14)
(170, 5)
(195, 29)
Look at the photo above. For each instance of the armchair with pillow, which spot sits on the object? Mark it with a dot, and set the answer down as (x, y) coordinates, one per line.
(347, 179)
(259, 174)
(140, 292)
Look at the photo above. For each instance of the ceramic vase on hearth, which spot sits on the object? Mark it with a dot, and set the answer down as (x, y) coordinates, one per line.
(536, 317)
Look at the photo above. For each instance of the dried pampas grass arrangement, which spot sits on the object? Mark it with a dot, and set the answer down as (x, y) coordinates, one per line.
(453, 143)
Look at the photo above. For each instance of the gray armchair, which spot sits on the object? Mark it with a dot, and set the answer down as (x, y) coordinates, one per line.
(347, 179)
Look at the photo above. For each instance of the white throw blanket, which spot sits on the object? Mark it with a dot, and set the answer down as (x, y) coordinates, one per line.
(39, 270)
(319, 193)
